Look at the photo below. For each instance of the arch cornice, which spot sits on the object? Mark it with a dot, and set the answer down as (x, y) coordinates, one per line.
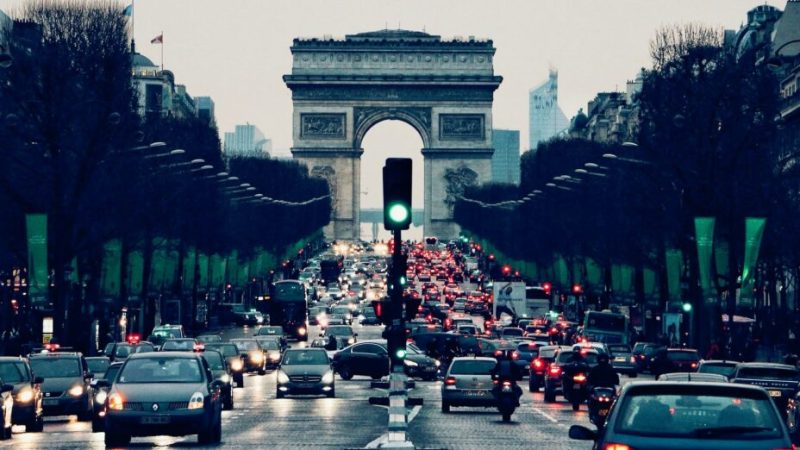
(365, 118)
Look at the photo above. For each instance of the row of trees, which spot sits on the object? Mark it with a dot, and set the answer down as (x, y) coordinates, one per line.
(706, 147)
(75, 148)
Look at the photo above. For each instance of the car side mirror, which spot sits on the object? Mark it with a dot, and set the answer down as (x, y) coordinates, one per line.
(216, 385)
(38, 380)
(6, 388)
(102, 383)
(582, 433)
(355, 334)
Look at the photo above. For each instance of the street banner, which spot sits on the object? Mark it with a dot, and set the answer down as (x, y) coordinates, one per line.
(594, 273)
(158, 265)
(753, 232)
(135, 275)
(217, 276)
(704, 238)
(561, 272)
(232, 267)
(187, 277)
(38, 283)
(674, 261)
(111, 272)
(650, 285)
(202, 262)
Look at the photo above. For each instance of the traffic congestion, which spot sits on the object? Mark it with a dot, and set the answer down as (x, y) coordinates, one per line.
(474, 347)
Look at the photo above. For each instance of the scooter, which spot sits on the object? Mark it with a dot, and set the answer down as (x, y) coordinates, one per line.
(507, 400)
(578, 393)
(600, 400)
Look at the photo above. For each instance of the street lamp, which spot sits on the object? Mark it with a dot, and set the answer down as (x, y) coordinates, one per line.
(176, 152)
(594, 174)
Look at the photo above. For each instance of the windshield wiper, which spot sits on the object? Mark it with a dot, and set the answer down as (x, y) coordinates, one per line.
(733, 430)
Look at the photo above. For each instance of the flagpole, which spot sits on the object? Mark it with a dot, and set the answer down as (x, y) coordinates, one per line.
(162, 50)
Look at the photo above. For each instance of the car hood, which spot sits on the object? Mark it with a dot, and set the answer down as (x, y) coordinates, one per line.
(161, 392)
(421, 359)
(60, 384)
(305, 370)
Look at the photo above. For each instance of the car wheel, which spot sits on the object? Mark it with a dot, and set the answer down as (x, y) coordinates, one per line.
(445, 407)
(115, 439)
(36, 426)
(97, 425)
(345, 373)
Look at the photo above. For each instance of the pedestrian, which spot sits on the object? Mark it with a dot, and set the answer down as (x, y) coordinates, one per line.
(714, 352)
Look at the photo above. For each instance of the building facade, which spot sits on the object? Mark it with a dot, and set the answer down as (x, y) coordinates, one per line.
(611, 117)
(247, 140)
(546, 119)
(157, 93)
(204, 108)
(505, 161)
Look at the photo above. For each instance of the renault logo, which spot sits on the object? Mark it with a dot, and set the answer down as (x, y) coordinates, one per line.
(155, 407)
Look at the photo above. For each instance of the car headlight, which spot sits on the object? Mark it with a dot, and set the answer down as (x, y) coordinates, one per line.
(101, 397)
(410, 363)
(225, 378)
(328, 377)
(25, 395)
(256, 356)
(115, 402)
(282, 377)
(301, 331)
(351, 341)
(76, 391)
(437, 363)
(237, 365)
(196, 401)
(274, 355)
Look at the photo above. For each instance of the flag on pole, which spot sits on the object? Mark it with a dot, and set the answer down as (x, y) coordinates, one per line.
(158, 39)
(128, 11)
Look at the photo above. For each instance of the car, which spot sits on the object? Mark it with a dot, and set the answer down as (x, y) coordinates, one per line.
(368, 317)
(317, 315)
(209, 338)
(693, 377)
(539, 331)
(252, 355)
(234, 359)
(674, 360)
(780, 380)
(221, 372)
(117, 351)
(6, 409)
(181, 345)
(248, 318)
(66, 384)
(676, 415)
(722, 367)
(274, 330)
(272, 350)
(343, 333)
(622, 359)
(468, 382)
(27, 392)
(511, 332)
(100, 395)
(371, 358)
(552, 378)
(644, 352)
(344, 311)
(305, 371)
(540, 365)
(97, 365)
(469, 329)
(163, 332)
(172, 393)
(527, 351)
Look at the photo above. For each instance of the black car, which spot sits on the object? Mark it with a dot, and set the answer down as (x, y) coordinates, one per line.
(276, 332)
(234, 359)
(369, 317)
(28, 410)
(66, 384)
(674, 360)
(252, 355)
(371, 358)
(643, 353)
(780, 380)
(98, 365)
(305, 371)
(100, 395)
(222, 373)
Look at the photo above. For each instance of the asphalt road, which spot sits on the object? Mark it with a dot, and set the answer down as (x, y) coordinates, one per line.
(259, 420)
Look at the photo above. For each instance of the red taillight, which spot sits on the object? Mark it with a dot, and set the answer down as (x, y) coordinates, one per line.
(553, 330)
(555, 371)
(579, 378)
(617, 447)
(507, 383)
(537, 363)
(199, 347)
(450, 381)
(498, 353)
(694, 365)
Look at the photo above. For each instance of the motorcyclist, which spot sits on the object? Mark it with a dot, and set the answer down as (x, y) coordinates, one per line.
(576, 363)
(506, 370)
(603, 375)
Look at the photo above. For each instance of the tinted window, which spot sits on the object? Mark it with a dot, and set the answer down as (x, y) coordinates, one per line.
(96, 366)
(56, 367)
(305, 358)
(618, 349)
(512, 332)
(226, 349)
(606, 322)
(289, 291)
(161, 370)
(720, 369)
(369, 348)
(768, 373)
(683, 356)
(143, 348)
(214, 360)
(339, 331)
(13, 372)
(269, 344)
(112, 372)
(476, 367)
(122, 351)
(178, 345)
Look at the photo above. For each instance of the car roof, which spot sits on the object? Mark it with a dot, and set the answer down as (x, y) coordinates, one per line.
(55, 355)
(700, 386)
(764, 365)
(693, 377)
(719, 362)
(473, 358)
(169, 354)
(12, 359)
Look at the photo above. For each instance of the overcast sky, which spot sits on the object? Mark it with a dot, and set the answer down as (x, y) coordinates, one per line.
(237, 50)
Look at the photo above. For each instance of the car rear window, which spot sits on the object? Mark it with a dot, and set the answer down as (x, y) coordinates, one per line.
(512, 332)
(619, 349)
(768, 373)
(683, 356)
(476, 367)
(719, 369)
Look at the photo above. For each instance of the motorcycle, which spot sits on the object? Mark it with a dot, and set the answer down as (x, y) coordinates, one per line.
(507, 400)
(600, 400)
(578, 392)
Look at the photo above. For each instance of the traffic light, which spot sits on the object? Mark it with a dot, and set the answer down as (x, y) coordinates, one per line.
(397, 194)
(577, 289)
(687, 307)
(383, 311)
(396, 344)
(548, 287)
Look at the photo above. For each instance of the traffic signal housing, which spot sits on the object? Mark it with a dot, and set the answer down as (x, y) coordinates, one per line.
(396, 344)
(412, 305)
(397, 194)
(383, 310)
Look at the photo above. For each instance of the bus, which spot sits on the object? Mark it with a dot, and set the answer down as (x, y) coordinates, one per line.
(289, 308)
(606, 326)
(330, 269)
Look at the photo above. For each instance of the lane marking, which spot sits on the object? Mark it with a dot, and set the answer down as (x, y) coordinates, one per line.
(545, 415)
(375, 443)
(414, 411)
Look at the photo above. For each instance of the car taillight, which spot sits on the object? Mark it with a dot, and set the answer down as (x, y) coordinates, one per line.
(617, 447)
(537, 363)
(579, 378)
(507, 383)
(555, 371)
(694, 365)
(450, 381)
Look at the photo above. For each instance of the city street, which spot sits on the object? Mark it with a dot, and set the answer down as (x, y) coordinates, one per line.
(348, 421)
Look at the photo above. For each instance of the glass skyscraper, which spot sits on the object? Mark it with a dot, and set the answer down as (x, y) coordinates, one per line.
(545, 116)
(505, 160)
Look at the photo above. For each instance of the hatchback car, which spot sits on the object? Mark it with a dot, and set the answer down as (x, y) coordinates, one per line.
(674, 360)
(622, 359)
(66, 386)
(780, 380)
(172, 393)
(272, 350)
(305, 371)
(27, 392)
(98, 365)
(553, 376)
(468, 382)
(679, 415)
(540, 365)
(252, 355)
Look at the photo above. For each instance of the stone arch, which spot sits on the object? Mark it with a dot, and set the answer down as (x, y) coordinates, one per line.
(365, 118)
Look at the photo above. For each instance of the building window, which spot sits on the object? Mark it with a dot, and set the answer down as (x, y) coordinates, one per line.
(153, 97)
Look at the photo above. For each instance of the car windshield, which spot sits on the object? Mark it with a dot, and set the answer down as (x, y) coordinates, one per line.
(178, 345)
(161, 370)
(56, 367)
(13, 372)
(269, 331)
(683, 356)
(512, 332)
(339, 331)
(696, 414)
(112, 372)
(615, 349)
(244, 346)
(214, 360)
(566, 357)
(305, 358)
(122, 351)
(97, 366)
(269, 344)
(473, 367)
(769, 373)
(143, 348)
(227, 350)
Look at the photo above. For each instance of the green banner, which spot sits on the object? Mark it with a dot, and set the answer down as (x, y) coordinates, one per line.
(171, 266)
(202, 262)
(704, 238)
(158, 265)
(134, 277)
(189, 261)
(111, 273)
(594, 273)
(232, 267)
(650, 285)
(561, 273)
(674, 261)
(217, 270)
(753, 232)
(38, 283)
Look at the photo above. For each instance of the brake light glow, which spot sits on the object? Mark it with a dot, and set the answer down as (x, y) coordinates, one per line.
(555, 370)
(617, 447)
(694, 365)
(537, 363)
(579, 378)
(507, 383)
(450, 381)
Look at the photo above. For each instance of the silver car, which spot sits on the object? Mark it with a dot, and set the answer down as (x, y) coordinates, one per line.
(468, 383)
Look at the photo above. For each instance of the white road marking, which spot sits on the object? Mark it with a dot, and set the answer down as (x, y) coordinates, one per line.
(378, 441)
(545, 415)
(414, 411)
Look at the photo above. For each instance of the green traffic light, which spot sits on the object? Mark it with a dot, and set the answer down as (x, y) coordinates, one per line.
(687, 307)
(403, 281)
(400, 353)
(398, 213)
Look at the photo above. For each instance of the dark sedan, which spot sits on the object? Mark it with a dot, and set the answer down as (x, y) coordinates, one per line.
(222, 373)
(252, 355)
(674, 360)
(66, 385)
(234, 359)
(305, 371)
(27, 393)
(780, 380)
(371, 359)
(170, 393)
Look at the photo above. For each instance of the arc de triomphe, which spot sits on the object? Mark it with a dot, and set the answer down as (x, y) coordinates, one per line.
(444, 89)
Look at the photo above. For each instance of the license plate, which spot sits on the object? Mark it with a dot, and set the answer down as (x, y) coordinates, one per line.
(50, 402)
(576, 386)
(154, 420)
(474, 393)
(774, 393)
